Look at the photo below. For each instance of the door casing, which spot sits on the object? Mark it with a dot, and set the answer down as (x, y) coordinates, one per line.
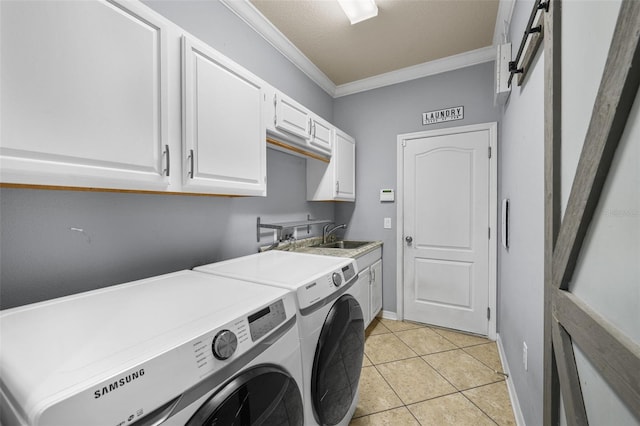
(493, 207)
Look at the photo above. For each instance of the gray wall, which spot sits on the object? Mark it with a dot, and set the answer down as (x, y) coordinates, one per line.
(521, 267)
(375, 118)
(131, 236)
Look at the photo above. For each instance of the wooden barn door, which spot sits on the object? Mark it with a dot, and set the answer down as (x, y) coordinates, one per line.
(570, 321)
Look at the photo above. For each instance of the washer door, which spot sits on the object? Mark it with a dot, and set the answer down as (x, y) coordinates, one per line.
(262, 395)
(338, 361)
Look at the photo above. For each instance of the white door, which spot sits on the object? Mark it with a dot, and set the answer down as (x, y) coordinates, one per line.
(446, 229)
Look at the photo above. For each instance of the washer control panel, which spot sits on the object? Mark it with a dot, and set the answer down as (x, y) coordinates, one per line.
(265, 320)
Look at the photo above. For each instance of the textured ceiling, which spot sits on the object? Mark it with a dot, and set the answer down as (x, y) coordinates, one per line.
(405, 33)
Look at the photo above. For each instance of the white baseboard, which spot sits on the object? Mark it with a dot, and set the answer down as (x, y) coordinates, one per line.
(515, 404)
(388, 315)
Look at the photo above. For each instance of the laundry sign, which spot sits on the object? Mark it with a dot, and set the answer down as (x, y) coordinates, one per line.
(441, 115)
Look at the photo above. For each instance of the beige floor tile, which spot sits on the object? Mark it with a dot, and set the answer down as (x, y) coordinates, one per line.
(365, 361)
(425, 341)
(376, 327)
(375, 394)
(461, 339)
(396, 417)
(452, 409)
(461, 369)
(414, 380)
(494, 400)
(400, 325)
(487, 354)
(386, 347)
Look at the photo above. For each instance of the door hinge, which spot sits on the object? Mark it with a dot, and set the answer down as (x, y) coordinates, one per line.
(488, 313)
(404, 144)
(489, 152)
(489, 232)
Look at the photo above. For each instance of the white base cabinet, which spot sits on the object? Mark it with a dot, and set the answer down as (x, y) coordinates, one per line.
(370, 282)
(84, 95)
(336, 180)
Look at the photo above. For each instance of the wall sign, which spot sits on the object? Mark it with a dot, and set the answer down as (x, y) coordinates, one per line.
(441, 115)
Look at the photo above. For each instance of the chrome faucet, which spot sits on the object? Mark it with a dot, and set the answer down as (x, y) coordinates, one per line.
(328, 230)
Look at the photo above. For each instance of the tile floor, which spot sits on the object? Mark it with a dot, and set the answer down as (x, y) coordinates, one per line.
(414, 374)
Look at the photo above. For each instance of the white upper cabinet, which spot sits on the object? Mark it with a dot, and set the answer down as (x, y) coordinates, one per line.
(291, 117)
(295, 129)
(83, 95)
(336, 180)
(224, 132)
(321, 134)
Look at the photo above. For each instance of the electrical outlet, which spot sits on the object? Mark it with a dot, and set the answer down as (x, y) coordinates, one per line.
(525, 361)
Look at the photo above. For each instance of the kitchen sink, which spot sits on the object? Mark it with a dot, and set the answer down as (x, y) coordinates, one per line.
(345, 244)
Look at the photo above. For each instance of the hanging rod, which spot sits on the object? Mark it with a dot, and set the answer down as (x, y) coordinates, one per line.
(513, 65)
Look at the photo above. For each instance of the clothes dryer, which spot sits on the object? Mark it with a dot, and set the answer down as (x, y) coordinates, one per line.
(183, 348)
(330, 322)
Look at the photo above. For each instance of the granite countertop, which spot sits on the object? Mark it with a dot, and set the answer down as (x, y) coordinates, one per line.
(310, 245)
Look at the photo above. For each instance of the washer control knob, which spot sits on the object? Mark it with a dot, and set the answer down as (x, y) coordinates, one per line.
(224, 344)
(337, 279)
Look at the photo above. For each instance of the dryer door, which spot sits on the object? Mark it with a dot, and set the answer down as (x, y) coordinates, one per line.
(338, 361)
(263, 395)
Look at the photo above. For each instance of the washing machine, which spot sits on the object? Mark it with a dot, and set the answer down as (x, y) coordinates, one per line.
(330, 322)
(185, 348)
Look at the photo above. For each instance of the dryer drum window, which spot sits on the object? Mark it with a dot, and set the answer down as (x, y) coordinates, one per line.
(338, 361)
(262, 395)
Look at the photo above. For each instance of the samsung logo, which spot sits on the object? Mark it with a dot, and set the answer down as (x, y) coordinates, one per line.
(118, 383)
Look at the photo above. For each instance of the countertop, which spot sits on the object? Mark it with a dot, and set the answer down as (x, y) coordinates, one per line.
(310, 245)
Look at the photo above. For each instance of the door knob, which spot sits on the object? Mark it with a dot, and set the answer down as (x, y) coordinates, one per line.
(408, 239)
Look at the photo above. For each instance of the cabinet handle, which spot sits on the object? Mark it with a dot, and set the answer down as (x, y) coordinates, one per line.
(337, 187)
(167, 169)
(191, 164)
(373, 275)
(314, 130)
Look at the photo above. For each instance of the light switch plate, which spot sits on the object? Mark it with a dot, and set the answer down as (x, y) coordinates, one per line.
(387, 223)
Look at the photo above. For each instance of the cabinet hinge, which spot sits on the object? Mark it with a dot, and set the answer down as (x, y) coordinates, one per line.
(488, 313)
(489, 152)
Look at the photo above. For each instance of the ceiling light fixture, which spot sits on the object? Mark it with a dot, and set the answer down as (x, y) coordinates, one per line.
(359, 10)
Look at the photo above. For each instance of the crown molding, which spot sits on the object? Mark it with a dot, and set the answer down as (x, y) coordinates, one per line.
(450, 63)
(252, 17)
(256, 20)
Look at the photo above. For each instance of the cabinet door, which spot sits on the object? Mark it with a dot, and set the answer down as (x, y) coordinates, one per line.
(345, 167)
(321, 135)
(375, 289)
(291, 117)
(224, 134)
(84, 94)
(362, 294)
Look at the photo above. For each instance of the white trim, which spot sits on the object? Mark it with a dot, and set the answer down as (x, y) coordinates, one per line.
(388, 315)
(493, 214)
(513, 396)
(503, 22)
(462, 60)
(252, 16)
(256, 20)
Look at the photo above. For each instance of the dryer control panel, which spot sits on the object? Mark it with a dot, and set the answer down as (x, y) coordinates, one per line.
(326, 285)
